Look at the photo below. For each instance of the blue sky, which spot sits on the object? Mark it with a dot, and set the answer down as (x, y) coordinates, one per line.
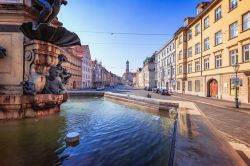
(125, 16)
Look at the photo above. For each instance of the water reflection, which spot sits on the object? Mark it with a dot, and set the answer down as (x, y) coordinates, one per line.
(110, 134)
(31, 142)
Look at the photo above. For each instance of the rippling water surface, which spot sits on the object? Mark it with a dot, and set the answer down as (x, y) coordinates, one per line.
(110, 135)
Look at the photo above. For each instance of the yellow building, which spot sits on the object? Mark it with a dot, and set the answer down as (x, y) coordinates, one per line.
(209, 45)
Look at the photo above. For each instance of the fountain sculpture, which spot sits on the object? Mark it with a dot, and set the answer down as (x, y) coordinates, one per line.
(32, 76)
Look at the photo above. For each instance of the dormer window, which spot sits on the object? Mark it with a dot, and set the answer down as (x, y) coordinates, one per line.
(199, 10)
(185, 22)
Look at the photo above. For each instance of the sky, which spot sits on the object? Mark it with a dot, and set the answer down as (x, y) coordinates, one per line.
(147, 24)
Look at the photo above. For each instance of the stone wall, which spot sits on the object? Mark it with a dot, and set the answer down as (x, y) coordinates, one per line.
(11, 66)
(19, 107)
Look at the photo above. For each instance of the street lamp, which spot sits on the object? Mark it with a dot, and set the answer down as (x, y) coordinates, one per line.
(236, 69)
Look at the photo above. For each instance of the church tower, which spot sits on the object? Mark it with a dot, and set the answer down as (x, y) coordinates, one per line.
(127, 67)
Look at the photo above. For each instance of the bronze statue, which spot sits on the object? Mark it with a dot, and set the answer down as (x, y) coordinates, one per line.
(50, 9)
(63, 73)
(28, 88)
(41, 28)
(2, 52)
(53, 85)
(65, 76)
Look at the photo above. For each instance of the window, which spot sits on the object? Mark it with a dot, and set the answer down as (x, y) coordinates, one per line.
(189, 52)
(232, 88)
(173, 72)
(189, 85)
(180, 39)
(189, 68)
(185, 23)
(218, 61)
(198, 11)
(233, 57)
(206, 64)
(218, 38)
(233, 4)
(197, 48)
(197, 85)
(246, 52)
(246, 21)
(178, 85)
(189, 34)
(218, 13)
(180, 55)
(197, 29)
(180, 69)
(206, 44)
(233, 30)
(206, 22)
(197, 66)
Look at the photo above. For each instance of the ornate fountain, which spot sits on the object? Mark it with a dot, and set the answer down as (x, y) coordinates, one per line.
(32, 78)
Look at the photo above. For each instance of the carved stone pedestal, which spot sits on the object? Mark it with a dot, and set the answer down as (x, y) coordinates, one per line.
(39, 57)
(19, 107)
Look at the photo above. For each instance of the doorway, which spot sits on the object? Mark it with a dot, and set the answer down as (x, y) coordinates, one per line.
(74, 84)
(213, 88)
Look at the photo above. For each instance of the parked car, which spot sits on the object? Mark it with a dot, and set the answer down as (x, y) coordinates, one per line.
(149, 89)
(156, 90)
(100, 88)
(164, 92)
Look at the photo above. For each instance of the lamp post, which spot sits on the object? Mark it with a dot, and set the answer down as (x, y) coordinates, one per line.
(236, 69)
(171, 77)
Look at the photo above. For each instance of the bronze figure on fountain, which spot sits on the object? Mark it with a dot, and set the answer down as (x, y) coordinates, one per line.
(2, 52)
(41, 28)
(63, 73)
(53, 84)
(50, 10)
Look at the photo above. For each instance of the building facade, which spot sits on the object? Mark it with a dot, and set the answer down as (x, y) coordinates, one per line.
(74, 67)
(148, 72)
(86, 67)
(209, 45)
(96, 74)
(136, 78)
(165, 70)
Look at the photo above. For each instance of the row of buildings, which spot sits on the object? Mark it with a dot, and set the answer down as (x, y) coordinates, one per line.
(200, 58)
(85, 72)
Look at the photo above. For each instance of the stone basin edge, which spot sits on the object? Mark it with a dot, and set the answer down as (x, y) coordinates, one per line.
(197, 141)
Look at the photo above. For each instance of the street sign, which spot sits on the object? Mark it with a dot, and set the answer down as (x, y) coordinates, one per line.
(235, 81)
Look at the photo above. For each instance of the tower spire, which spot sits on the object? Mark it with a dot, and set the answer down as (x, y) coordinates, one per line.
(127, 66)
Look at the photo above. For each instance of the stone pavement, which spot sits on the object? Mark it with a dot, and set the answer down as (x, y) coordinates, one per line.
(233, 124)
(215, 102)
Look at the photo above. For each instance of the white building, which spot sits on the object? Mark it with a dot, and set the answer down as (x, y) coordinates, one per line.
(96, 74)
(165, 67)
(86, 68)
(149, 72)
